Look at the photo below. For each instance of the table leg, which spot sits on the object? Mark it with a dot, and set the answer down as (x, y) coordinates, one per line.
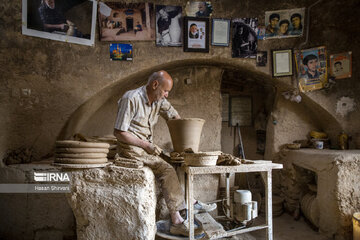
(190, 200)
(268, 203)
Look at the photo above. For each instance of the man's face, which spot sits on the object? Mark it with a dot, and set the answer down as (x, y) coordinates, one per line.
(274, 22)
(338, 67)
(202, 7)
(312, 65)
(193, 29)
(296, 22)
(50, 3)
(162, 91)
(163, 14)
(283, 28)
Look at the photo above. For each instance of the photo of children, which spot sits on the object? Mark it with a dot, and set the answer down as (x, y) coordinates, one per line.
(284, 23)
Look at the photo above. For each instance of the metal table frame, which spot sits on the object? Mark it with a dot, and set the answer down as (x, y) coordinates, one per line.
(262, 166)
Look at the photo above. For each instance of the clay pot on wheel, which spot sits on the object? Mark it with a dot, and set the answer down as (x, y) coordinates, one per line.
(185, 133)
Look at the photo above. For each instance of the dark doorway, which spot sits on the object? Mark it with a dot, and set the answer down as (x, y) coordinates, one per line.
(129, 24)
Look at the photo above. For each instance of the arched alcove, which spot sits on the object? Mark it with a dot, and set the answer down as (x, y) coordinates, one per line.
(202, 99)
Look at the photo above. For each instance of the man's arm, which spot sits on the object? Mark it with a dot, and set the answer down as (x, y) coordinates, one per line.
(130, 139)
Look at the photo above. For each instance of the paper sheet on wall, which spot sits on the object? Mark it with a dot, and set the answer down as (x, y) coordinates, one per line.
(282, 63)
(221, 32)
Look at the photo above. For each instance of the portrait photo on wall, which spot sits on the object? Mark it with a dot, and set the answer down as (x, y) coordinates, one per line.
(71, 21)
(244, 37)
(198, 9)
(311, 68)
(121, 21)
(261, 58)
(121, 52)
(168, 25)
(341, 65)
(284, 23)
(196, 34)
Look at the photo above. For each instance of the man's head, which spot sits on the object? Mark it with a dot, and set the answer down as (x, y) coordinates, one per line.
(311, 62)
(296, 20)
(338, 66)
(163, 14)
(284, 26)
(193, 28)
(50, 3)
(159, 85)
(202, 7)
(274, 19)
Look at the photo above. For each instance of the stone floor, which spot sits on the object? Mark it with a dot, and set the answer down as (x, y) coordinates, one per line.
(285, 228)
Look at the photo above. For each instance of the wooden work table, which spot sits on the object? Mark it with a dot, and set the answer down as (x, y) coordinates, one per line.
(262, 166)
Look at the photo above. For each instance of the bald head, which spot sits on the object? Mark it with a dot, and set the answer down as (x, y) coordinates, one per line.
(160, 76)
(159, 85)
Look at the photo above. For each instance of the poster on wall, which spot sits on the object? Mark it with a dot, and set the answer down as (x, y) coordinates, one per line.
(311, 68)
(121, 21)
(261, 58)
(121, 52)
(284, 23)
(198, 9)
(244, 37)
(66, 21)
(341, 65)
(168, 25)
(196, 34)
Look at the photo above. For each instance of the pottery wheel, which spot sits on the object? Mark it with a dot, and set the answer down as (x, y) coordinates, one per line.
(81, 150)
(81, 155)
(79, 144)
(80, 161)
(79, 166)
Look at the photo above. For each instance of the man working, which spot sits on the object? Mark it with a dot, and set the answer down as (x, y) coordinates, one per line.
(138, 113)
(52, 18)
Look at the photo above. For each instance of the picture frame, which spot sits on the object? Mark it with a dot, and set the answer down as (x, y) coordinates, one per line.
(122, 21)
(284, 23)
(77, 27)
(220, 34)
(199, 9)
(282, 63)
(312, 68)
(341, 65)
(196, 34)
(168, 25)
(121, 52)
(244, 37)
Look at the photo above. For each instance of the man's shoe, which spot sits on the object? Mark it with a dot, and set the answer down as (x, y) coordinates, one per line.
(183, 229)
(200, 207)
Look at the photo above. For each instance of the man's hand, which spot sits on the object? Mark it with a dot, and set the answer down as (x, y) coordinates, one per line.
(153, 149)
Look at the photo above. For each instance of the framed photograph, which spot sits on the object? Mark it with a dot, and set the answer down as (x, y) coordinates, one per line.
(244, 37)
(66, 21)
(121, 21)
(168, 25)
(196, 34)
(284, 23)
(121, 52)
(220, 34)
(282, 64)
(198, 9)
(261, 58)
(341, 65)
(311, 68)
